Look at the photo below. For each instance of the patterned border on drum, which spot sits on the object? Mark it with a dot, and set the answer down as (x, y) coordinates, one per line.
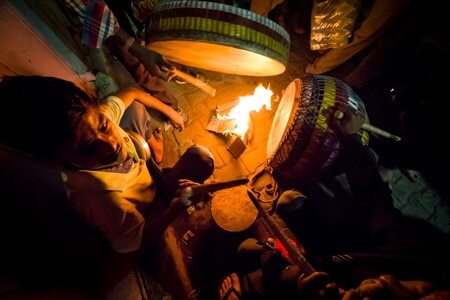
(290, 143)
(169, 5)
(208, 22)
(312, 145)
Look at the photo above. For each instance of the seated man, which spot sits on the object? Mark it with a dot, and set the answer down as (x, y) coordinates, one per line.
(110, 187)
(99, 26)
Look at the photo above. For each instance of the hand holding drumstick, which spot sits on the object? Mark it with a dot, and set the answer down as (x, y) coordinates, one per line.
(349, 121)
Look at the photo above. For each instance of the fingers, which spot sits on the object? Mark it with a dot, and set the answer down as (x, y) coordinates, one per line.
(160, 73)
(178, 126)
(183, 183)
(342, 110)
(177, 121)
(350, 295)
(157, 133)
(166, 64)
(346, 119)
(314, 277)
(166, 68)
(317, 284)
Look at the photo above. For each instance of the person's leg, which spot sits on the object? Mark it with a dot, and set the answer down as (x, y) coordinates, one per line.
(137, 119)
(196, 164)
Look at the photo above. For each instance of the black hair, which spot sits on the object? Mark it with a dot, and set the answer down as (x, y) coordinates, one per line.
(37, 112)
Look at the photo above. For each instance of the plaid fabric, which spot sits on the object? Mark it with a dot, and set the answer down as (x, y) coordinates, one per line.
(98, 21)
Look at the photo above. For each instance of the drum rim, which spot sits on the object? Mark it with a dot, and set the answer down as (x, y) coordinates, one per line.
(225, 8)
(298, 87)
(289, 162)
(200, 37)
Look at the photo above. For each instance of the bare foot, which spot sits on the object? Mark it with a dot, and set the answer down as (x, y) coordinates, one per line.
(156, 144)
(230, 289)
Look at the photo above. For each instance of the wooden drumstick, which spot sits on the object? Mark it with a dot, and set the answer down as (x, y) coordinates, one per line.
(195, 81)
(372, 129)
(380, 132)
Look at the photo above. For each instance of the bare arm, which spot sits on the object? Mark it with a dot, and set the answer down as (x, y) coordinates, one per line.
(155, 227)
(151, 60)
(130, 94)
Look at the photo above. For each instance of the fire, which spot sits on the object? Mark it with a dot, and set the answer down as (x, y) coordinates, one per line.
(241, 112)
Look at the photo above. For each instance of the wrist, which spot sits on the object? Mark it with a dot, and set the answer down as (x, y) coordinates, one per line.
(128, 43)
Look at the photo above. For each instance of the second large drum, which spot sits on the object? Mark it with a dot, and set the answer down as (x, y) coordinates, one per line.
(302, 145)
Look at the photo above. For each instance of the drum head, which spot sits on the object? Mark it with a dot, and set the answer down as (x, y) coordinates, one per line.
(232, 210)
(218, 58)
(283, 116)
(218, 37)
(302, 144)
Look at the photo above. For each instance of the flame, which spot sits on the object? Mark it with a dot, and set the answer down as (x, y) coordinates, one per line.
(241, 112)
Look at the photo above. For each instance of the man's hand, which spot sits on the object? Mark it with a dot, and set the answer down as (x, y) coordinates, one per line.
(347, 120)
(389, 287)
(176, 119)
(317, 286)
(152, 61)
(184, 193)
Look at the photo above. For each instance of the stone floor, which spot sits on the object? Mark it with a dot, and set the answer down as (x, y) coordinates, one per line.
(411, 192)
(414, 196)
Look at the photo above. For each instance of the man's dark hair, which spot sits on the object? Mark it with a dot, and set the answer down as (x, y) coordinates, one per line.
(37, 112)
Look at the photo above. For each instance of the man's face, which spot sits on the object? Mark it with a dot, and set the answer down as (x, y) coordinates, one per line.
(97, 142)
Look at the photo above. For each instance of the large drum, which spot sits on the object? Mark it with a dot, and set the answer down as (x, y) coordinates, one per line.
(218, 37)
(301, 144)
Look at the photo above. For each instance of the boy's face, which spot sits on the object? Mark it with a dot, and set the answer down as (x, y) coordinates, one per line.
(98, 143)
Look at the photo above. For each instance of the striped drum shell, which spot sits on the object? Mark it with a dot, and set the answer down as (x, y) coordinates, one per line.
(302, 145)
(218, 37)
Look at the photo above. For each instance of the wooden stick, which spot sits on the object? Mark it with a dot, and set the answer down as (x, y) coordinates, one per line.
(380, 132)
(192, 80)
(370, 128)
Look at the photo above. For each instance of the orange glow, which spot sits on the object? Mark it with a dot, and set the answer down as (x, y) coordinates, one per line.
(241, 112)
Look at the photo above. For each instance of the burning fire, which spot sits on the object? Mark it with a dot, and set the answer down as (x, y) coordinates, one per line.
(241, 112)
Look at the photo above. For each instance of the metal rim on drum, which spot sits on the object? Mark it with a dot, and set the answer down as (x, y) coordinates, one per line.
(226, 32)
(307, 145)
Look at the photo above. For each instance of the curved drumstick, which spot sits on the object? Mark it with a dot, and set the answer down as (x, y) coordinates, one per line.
(192, 80)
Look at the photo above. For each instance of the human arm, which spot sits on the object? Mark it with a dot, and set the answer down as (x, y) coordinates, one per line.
(101, 199)
(372, 197)
(389, 287)
(130, 94)
(318, 285)
(151, 60)
(155, 226)
(356, 159)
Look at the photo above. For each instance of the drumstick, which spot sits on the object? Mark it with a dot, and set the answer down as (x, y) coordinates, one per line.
(195, 81)
(372, 129)
(381, 132)
(203, 189)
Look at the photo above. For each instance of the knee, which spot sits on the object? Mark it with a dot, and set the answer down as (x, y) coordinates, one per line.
(135, 118)
(137, 108)
(203, 159)
(202, 153)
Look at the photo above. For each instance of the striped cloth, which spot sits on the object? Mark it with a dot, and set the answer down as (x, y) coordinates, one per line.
(98, 21)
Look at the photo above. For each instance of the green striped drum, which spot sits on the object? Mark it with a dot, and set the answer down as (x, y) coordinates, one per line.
(302, 145)
(218, 37)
